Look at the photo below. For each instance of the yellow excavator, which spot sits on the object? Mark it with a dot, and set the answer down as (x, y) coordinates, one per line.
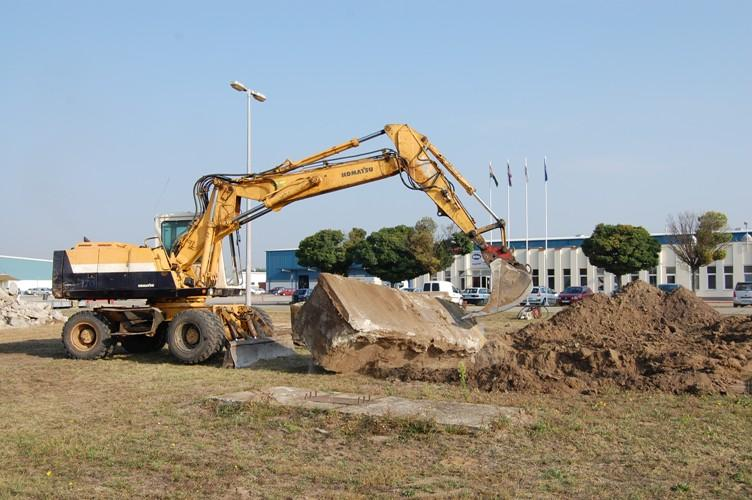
(178, 282)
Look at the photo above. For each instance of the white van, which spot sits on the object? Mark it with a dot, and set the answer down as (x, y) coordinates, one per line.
(443, 288)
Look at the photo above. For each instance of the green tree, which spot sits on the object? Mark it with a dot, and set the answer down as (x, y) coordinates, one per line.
(452, 244)
(387, 253)
(324, 250)
(698, 240)
(621, 249)
(393, 254)
(353, 245)
(421, 241)
(329, 251)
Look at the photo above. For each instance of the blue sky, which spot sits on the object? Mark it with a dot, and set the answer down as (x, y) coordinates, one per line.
(111, 111)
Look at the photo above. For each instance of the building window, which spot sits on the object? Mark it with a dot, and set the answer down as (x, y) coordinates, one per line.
(567, 277)
(634, 277)
(535, 277)
(583, 276)
(712, 284)
(434, 277)
(551, 280)
(601, 279)
(653, 276)
(728, 277)
(747, 273)
(447, 275)
(670, 274)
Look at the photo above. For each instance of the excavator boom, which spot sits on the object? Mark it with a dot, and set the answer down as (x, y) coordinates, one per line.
(415, 158)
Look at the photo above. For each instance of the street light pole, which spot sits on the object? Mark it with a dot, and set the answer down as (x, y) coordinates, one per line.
(260, 98)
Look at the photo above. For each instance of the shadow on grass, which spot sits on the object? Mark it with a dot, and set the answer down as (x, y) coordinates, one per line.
(53, 349)
(42, 348)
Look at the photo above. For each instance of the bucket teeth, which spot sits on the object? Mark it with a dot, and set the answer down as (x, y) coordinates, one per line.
(510, 284)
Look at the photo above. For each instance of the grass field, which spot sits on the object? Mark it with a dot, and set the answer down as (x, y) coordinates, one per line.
(141, 426)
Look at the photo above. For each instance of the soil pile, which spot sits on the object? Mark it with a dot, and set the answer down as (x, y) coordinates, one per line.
(639, 339)
(15, 313)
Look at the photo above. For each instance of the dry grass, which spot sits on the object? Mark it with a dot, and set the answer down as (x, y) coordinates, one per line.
(140, 426)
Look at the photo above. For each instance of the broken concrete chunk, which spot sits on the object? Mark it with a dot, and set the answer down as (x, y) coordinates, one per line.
(351, 326)
(17, 313)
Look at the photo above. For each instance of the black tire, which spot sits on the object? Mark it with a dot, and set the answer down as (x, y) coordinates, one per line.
(88, 335)
(194, 336)
(263, 323)
(137, 344)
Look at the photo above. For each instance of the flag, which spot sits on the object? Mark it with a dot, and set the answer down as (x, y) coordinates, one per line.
(525, 170)
(509, 174)
(491, 174)
(545, 170)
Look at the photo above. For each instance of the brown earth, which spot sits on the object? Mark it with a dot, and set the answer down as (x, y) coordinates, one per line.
(640, 339)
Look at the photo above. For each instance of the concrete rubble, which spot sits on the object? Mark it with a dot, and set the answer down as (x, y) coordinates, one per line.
(477, 416)
(351, 326)
(15, 313)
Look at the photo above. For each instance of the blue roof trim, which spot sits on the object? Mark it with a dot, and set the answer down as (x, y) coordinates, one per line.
(26, 269)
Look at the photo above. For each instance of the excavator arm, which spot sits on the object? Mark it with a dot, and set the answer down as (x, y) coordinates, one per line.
(420, 164)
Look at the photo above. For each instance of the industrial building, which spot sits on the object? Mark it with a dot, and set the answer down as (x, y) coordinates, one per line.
(556, 263)
(22, 273)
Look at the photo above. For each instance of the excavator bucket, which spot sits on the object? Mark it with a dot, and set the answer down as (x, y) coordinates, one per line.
(510, 284)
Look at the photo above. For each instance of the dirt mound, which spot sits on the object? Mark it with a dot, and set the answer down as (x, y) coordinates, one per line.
(17, 313)
(639, 339)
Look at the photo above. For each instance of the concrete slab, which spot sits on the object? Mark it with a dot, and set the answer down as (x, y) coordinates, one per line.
(477, 416)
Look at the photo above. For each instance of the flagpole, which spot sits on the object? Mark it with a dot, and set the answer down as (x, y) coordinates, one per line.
(509, 212)
(545, 190)
(527, 233)
(490, 197)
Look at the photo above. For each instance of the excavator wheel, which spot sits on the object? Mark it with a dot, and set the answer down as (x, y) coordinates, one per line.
(195, 335)
(137, 344)
(262, 322)
(88, 335)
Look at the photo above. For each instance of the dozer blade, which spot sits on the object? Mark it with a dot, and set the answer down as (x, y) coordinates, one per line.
(510, 285)
(248, 352)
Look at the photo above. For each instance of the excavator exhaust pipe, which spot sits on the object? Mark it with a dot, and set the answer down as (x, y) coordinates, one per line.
(510, 285)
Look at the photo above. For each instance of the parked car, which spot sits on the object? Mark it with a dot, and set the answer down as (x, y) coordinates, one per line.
(478, 296)
(408, 289)
(443, 287)
(41, 292)
(256, 290)
(669, 287)
(542, 296)
(275, 290)
(743, 294)
(287, 292)
(574, 294)
(301, 295)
